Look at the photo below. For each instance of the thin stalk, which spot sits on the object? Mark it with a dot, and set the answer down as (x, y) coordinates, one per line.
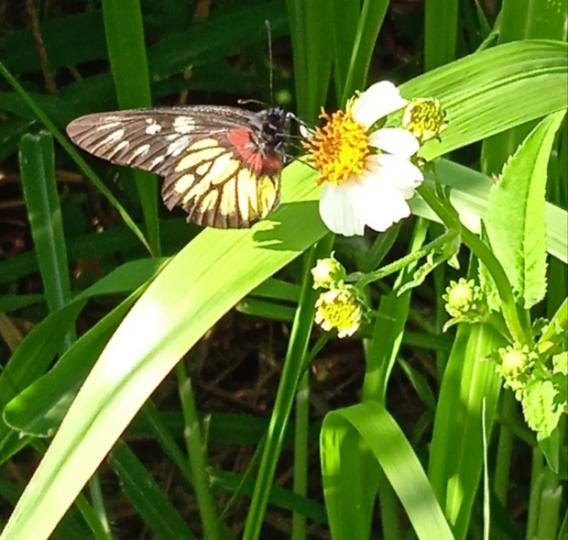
(504, 450)
(197, 457)
(403, 262)
(98, 502)
(482, 251)
(301, 452)
(291, 372)
(74, 154)
(537, 469)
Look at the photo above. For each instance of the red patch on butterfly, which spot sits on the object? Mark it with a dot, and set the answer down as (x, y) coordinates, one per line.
(240, 138)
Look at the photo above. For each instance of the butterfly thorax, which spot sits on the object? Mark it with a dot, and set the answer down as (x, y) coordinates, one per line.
(273, 126)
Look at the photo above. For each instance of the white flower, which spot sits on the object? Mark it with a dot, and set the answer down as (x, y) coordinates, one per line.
(339, 309)
(367, 175)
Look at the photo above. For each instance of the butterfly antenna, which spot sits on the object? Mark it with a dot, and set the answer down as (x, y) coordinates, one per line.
(270, 61)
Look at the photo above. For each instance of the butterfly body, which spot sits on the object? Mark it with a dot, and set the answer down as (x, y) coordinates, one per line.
(221, 165)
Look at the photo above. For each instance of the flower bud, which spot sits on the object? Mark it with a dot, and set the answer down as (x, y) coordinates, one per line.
(424, 118)
(328, 273)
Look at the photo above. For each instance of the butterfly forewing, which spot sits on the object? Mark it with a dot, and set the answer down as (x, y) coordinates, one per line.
(220, 164)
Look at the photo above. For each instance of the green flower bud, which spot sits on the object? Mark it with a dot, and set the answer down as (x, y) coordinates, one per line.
(328, 273)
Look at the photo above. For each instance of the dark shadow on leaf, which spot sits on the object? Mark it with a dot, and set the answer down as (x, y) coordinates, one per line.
(294, 226)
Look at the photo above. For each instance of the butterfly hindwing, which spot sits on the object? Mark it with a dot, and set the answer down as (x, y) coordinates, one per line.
(219, 165)
(218, 187)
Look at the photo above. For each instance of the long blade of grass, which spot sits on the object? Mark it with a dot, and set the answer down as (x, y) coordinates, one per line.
(74, 154)
(309, 22)
(150, 501)
(522, 20)
(291, 373)
(370, 21)
(124, 33)
(440, 32)
(456, 463)
(369, 424)
(37, 168)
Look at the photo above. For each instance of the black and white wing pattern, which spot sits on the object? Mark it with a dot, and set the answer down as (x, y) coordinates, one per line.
(221, 165)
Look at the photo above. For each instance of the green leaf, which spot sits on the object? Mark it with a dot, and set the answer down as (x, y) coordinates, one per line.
(440, 32)
(143, 492)
(345, 433)
(541, 408)
(42, 202)
(38, 349)
(514, 83)
(456, 461)
(129, 66)
(39, 409)
(370, 22)
(515, 216)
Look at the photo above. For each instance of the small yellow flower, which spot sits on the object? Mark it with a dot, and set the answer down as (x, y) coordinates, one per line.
(328, 273)
(424, 118)
(367, 174)
(339, 309)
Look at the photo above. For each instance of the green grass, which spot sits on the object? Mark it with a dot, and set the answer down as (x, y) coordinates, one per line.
(208, 421)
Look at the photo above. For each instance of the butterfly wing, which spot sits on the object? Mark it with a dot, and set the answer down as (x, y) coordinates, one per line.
(213, 160)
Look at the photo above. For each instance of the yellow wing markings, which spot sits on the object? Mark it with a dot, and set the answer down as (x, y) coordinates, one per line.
(194, 157)
(216, 188)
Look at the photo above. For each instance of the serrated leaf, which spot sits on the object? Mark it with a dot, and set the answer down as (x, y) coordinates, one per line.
(515, 215)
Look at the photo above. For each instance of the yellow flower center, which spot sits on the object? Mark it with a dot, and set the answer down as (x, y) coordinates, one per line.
(340, 310)
(339, 148)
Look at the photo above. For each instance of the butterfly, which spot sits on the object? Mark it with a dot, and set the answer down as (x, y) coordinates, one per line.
(220, 164)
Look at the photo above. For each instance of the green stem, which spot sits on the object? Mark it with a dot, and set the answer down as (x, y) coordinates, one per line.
(291, 372)
(482, 251)
(364, 279)
(301, 452)
(197, 457)
(504, 449)
(98, 503)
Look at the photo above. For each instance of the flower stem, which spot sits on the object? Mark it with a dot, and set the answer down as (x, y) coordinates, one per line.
(482, 251)
(403, 262)
(197, 457)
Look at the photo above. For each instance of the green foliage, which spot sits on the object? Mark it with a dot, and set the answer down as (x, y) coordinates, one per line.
(515, 214)
(419, 445)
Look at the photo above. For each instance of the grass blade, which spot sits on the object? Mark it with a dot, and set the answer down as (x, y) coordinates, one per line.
(440, 32)
(127, 54)
(369, 424)
(42, 201)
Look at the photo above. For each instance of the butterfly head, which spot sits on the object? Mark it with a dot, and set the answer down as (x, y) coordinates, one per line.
(274, 125)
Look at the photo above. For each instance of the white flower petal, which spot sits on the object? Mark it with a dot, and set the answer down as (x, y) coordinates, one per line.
(339, 208)
(396, 141)
(395, 172)
(383, 205)
(377, 101)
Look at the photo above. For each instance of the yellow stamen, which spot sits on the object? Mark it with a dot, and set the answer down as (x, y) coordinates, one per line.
(339, 309)
(339, 149)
